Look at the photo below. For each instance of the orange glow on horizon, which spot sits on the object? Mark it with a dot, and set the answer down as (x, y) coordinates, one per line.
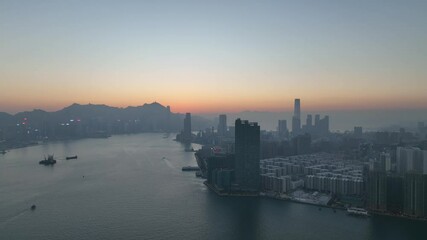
(211, 106)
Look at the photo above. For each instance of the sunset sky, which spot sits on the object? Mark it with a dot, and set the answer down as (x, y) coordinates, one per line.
(214, 56)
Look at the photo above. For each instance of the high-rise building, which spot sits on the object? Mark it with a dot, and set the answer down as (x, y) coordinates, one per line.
(316, 120)
(325, 125)
(282, 128)
(377, 191)
(358, 132)
(309, 121)
(187, 135)
(247, 155)
(411, 159)
(222, 125)
(296, 119)
(395, 194)
(415, 188)
(385, 162)
(297, 108)
(220, 171)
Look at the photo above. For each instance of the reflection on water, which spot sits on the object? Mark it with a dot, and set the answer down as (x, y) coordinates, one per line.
(133, 188)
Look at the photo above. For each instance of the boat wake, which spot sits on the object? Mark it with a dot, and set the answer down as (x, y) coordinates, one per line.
(12, 218)
(168, 163)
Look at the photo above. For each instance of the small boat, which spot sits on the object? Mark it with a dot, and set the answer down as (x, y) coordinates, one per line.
(71, 157)
(33, 207)
(357, 211)
(48, 161)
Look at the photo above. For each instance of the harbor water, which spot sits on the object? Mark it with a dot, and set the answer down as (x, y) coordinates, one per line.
(132, 187)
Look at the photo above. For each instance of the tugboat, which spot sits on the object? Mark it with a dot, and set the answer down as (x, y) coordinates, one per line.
(48, 161)
(71, 157)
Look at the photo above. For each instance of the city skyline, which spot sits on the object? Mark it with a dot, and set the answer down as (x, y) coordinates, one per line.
(259, 57)
(193, 119)
(342, 120)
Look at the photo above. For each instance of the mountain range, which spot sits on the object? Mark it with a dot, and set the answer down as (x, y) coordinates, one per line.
(152, 116)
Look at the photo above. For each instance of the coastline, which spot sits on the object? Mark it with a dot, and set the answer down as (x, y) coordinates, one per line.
(10, 146)
(264, 195)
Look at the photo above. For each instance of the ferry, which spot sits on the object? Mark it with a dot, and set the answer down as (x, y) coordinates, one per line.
(48, 161)
(357, 211)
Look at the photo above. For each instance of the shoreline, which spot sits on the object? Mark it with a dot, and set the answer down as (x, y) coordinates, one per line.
(41, 142)
(385, 214)
(263, 195)
(303, 202)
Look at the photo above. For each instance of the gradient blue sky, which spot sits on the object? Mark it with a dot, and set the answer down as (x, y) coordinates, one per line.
(213, 56)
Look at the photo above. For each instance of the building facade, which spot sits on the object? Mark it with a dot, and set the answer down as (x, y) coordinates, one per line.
(247, 154)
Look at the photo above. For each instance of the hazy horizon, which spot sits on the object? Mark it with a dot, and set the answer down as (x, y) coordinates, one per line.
(340, 120)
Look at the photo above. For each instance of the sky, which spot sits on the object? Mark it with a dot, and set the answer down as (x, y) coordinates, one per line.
(214, 56)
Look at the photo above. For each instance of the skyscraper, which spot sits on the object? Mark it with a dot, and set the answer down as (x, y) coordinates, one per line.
(316, 120)
(377, 191)
(395, 194)
(296, 119)
(309, 121)
(282, 128)
(415, 188)
(411, 159)
(222, 125)
(247, 155)
(297, 108)
(187, 135)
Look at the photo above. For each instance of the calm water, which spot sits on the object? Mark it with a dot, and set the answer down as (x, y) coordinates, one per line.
(133, 188)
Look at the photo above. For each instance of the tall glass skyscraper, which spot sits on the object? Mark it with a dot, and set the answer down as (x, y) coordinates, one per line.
(296, 119)
(222, 126)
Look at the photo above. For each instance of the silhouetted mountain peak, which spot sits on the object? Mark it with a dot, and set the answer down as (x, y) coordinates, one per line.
(153, 105)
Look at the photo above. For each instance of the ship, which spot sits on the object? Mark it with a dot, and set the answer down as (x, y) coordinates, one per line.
(357, 211)
(71, 157)
(48, 161)
(190, 168)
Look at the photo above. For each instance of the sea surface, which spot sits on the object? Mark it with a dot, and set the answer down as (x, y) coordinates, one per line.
(132, 187)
